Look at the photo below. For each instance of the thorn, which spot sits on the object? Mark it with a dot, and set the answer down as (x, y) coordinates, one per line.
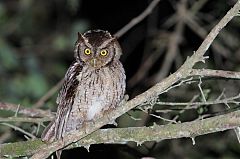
(113, 123)
(80, 37)
(201, 91)
(139, 143)
(193, 141)
(15, 115)
(237, 132)
(87, 148)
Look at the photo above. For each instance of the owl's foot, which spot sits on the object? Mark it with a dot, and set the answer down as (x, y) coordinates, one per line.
(86, 124)
(113, 123)
(124, 100)
(48, 133)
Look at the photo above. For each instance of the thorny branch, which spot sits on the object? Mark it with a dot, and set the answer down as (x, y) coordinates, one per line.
(194, 105)
(183, 72)
(39, 116)
(122, 135)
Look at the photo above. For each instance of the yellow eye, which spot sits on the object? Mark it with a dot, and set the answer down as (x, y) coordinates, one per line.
(87, 51)
(104, 52)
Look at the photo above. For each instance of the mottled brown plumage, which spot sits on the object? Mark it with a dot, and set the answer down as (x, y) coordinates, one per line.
(93, 84)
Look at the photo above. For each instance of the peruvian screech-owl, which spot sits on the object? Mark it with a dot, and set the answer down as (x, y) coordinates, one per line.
(93, 84)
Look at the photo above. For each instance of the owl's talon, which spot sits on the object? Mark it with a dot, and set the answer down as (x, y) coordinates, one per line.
(113, 123)
(124, 100)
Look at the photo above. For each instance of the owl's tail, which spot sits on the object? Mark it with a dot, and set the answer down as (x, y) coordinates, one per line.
(58, 154)
(48, 134)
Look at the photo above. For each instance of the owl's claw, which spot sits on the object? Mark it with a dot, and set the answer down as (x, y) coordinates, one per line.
(124, 100)
(113, 123)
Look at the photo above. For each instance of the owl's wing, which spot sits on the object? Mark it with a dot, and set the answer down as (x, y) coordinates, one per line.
(65, 99)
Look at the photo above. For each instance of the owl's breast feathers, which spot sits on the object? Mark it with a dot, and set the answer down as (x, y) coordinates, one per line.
(99, 90)
(86, 95)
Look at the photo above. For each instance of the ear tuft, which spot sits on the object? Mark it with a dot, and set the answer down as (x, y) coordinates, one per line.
(80, 37)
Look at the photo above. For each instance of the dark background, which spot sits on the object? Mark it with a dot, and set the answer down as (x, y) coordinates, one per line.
(36, 47)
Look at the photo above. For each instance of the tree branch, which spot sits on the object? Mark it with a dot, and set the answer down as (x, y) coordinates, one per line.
(215, 73)
(26, 119)
(46, 96)
(31, 112)
(194, 105)
(195, 72)
(137, 19)
(137, 134)
(19, 129)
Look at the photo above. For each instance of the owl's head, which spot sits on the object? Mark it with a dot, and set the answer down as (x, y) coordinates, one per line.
(97, 48)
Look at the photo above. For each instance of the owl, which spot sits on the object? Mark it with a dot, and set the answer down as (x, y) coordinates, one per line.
(93, 84)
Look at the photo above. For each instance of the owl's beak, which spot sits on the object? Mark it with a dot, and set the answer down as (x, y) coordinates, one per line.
(93, 62)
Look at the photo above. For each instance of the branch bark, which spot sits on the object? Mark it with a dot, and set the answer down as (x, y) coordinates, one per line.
(215, 73)
(31, 112)
(137, 134)
(26, 119)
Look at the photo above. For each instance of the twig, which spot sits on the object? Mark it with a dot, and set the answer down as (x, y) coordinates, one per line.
(132, 117)
(217, 101)
(50, 93)
(25, 119)
(146, 65)
(32, 112)
(215, 73)
(19, 129)
(164, 119)
(178, 84)
(156, 116)
(201, 91)
(16, 113)
(197, 6)
(173, 44)
(137, 19)
(193, 24)
(187, 106)
(221, 95)
(136, 134)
